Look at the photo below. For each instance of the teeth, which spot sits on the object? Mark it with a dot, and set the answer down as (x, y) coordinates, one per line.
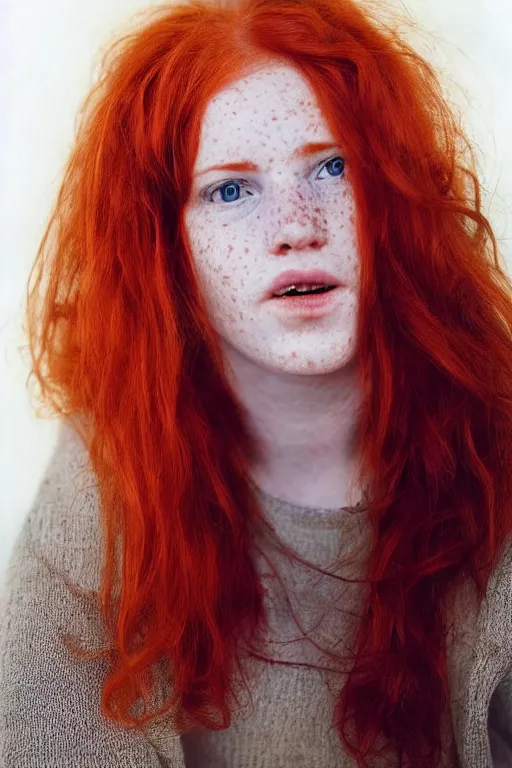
(303, 287)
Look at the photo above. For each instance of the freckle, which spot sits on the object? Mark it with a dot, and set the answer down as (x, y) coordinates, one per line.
(246, 250)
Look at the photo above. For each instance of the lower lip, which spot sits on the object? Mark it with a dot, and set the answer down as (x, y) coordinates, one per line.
(311, 305)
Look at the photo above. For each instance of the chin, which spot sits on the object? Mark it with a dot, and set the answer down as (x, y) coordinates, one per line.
(315, 367)
(312, 360)
(303, 364)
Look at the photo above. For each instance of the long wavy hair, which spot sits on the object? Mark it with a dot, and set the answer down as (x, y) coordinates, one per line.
(121, 342)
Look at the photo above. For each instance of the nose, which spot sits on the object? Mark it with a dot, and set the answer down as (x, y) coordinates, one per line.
(296, 239)
(299, 225)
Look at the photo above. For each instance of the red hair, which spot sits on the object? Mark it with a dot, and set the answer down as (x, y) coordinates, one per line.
(121, 339)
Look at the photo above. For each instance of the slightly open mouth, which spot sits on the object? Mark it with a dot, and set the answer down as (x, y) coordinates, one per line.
(292, 292)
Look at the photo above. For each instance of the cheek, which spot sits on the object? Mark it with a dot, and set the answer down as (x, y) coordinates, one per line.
(339, 208)
(208, 230)
(214, 248)
(200, 235)
(203, 239)
(219, 242)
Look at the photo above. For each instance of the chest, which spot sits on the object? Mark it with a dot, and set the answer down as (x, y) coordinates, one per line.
(288, 724)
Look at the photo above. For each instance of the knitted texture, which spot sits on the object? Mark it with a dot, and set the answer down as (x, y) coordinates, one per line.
(50, 713)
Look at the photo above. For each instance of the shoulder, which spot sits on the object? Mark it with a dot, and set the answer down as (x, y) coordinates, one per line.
(50, 587)
(62, 526)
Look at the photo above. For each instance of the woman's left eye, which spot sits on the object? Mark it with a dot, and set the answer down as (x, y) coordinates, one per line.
(230, 190)
(336, 165)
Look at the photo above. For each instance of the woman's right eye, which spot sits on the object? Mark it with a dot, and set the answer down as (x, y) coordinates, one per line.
(229, 192)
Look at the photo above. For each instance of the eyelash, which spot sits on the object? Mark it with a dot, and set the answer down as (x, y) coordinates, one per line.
(210, 191)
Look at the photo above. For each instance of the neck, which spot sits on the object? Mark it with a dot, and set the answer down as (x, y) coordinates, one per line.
(306, 426)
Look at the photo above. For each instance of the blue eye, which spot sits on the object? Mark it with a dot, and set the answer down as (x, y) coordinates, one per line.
(229, 192)
(337, 164)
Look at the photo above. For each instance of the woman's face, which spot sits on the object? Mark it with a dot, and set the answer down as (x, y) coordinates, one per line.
(278, 210)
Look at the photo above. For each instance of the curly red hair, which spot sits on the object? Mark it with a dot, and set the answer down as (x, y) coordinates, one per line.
(120, 338)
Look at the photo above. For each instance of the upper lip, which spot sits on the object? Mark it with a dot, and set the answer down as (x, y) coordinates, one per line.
(299, 277)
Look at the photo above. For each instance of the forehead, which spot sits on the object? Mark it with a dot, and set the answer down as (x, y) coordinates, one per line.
(271, 111)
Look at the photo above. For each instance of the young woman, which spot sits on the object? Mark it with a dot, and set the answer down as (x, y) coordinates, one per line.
(276, 327)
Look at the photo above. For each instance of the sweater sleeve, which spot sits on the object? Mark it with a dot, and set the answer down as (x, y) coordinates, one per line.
(500, 724)
(50, 702)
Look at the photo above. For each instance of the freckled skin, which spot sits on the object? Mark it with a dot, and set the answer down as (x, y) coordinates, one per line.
(240, 246)
(291, 214)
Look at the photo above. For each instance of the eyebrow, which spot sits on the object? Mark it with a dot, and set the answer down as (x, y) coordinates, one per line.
(246, 165)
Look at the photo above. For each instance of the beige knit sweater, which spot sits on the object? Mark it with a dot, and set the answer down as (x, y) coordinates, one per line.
(50, 704)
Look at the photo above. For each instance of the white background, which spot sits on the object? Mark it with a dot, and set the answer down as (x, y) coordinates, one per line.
(50, 52)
